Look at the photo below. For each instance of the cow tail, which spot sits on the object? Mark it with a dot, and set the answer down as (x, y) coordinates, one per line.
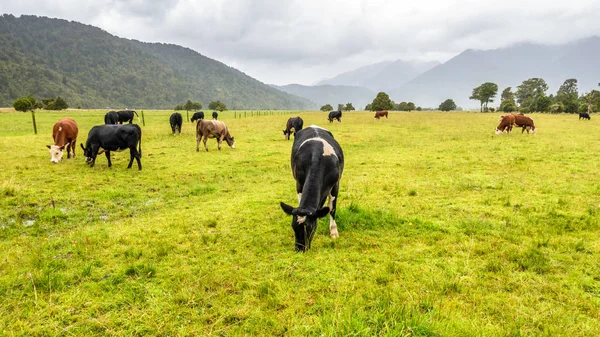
(140, 144)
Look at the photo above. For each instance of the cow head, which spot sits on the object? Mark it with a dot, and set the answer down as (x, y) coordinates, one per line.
(87, 153)
(230, 141)
(499, 132)
(56, 152)
(304, 224)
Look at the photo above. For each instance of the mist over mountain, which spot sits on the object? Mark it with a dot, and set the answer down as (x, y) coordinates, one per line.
(87, 66)
(508, 66)
(331, 94)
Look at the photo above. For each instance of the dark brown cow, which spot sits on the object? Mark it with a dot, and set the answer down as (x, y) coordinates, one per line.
(506, 124)
(213, 129)
(64, 133)
(381, 113)
(524, 122)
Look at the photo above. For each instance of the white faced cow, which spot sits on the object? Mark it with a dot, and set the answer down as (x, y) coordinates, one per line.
(64, 134)
(317, 165)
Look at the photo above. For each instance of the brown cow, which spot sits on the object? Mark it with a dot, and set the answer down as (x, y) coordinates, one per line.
(64, 133)
(213, 129)
(525, 122)
(381, 113)
(506, 124)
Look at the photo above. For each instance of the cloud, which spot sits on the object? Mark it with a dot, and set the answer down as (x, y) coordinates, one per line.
(303, 41)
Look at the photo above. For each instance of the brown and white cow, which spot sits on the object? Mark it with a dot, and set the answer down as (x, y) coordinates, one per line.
(524, 122)
(381, 113)
(506, 124)
(213, 129)
(64, 134)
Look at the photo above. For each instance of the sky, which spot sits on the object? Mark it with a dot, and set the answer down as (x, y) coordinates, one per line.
(304, 41)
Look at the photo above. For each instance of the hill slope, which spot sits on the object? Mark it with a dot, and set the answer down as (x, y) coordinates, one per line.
(89, 67)
(331, 94)
(506, 67)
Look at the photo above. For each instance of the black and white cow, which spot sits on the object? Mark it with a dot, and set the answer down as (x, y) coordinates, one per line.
(126, 116)
(197, 116)
(109, 138)
(111, 117)
(317, 165)
(335, 115)
(215, 115)
(293, 125)
(176, 121)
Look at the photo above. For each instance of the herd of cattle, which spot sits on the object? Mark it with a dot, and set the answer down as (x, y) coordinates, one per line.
(317, 159)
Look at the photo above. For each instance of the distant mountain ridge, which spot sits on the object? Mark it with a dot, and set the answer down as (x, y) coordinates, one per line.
(89, 67)
(382, 76)
(508, 66)
(331, 94)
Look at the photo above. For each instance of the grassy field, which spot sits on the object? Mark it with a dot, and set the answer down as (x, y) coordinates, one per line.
(445, 230)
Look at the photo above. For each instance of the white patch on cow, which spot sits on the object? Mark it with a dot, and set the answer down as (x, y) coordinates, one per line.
(299, 197)
(317, 127)
(327, 148)
(301, 219)
(56, 154)
(498, 132)
(333, 232)
(59, 128)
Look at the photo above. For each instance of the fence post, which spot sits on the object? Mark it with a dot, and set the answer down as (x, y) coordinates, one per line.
(187, 114)
(234, 114)
(34, 125)
(143, 119)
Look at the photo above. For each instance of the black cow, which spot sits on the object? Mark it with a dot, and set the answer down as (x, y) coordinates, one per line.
(317, 165)
(584, 115)
(215, 115)
(126, 116)
(113, 138)
(198, 116)
(293, 125)
(111, 117)
(335, 115)
(176, 120)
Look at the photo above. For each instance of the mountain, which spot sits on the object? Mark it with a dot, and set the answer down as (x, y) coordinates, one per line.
(382, 76)
(331, 94)
(92, 68)
(506, 67)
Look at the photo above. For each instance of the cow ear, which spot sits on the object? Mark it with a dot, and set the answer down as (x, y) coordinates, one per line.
(49, 146)
(287, 208)
(322, 212)
(82, 146)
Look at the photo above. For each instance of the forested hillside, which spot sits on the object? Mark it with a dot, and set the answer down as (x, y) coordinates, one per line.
(92, 68)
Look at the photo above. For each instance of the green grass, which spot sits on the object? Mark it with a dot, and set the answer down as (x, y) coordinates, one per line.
(445, 230)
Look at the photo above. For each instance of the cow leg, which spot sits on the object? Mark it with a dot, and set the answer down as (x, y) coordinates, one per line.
(135, 154)
(198, 138)
(107, 153)
(204, 141)
(220, 141)
(131, 149)
(333, 232)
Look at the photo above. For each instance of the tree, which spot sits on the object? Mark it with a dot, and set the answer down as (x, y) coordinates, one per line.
(568, 95)
(349, 107)
(447, 105)
(381, 102)
(340, 107)
(196, 106)
(178, 107)
(543, 103)
(529, 91)
(410, 106)
(217, 105)
(27, 103)
(507, 95)
(55, 104)
(326, 107)
(419, 108)
(189, 105)
(369, 107)
(485, 94)
(507, 106)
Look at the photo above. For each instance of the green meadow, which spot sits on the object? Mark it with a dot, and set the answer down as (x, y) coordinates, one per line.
(446, 229)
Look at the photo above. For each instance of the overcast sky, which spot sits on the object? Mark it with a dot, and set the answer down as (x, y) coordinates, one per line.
(303, 41)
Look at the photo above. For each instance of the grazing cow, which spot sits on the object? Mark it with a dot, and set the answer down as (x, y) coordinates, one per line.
(213, 129)
(584, 115)
(317, 165)
(293, 125)
(381, 113)
(335, 115)
(111, 117)
(506, 123)
(126, 116)
(215, 115)
(64, 134)
(524, 122)
(176, 120)
(109, 138)
(197, 116)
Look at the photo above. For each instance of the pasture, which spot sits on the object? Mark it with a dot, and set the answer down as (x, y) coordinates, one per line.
(445, 230)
